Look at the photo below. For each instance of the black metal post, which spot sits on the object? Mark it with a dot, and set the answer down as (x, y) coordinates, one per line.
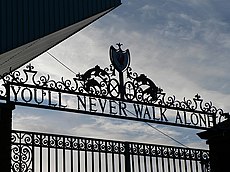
(5, 134)
(121, 86)
(127, 158)
(218, 139)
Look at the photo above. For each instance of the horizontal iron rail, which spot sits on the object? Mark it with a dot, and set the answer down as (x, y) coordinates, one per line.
(66, 109)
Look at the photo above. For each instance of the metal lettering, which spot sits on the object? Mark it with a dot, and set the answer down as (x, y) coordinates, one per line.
(194, 119)
(178, 117)
(36, 96)
(154, 114)
(112, 107)
(50, 99)
(162, 113)
(82, 102)
(92, 104)
(60, 100)
(24, 95)
(185, 119)
(102, 105)
(122, 108)
(15, 93)
(147, 112)
(203, 120)
(138, 110)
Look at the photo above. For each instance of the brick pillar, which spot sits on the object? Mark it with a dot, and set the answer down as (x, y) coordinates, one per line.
(218, 139)
(5, 136)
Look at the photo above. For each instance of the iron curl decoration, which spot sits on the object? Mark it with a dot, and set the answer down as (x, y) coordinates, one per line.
(21, 159)
(95, 81)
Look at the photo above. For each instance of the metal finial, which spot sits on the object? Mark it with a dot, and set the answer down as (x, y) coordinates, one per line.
(119, 45)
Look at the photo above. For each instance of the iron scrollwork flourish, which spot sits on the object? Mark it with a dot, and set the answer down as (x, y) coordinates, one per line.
(21, 160)
(116, 82)
(96, 81)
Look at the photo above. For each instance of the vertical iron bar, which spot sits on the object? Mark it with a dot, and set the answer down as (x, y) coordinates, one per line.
(179, 155)
(71, 155)
(100, 155)
(145, 163)
(132, 153)
(56, 153)
(191, 166)
(162, 162)
(138, 157)
(156, 151)
(185, 164)
(190, 156)
(197, 166)
(33, 152)
(168, 159)
(7, 86)
(113, 159)
(86, 157)
(93, 156)
(40, 150)
(64, 151)
(151, 163)
(121, 86)
(20, 154)
(79, 155)
(127, 157)
(49, 158)
(106, 156)
(174, 160)
(119, 156)
(145, 154)
(196, 155)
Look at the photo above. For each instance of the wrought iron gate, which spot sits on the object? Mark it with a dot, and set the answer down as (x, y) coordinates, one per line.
(40, 152)
(115, 92)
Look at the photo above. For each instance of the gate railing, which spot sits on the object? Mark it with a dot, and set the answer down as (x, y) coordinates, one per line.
(40, 152)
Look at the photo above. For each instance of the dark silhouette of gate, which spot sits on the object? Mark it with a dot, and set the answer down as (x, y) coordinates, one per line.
(101, 92)
(40, 152)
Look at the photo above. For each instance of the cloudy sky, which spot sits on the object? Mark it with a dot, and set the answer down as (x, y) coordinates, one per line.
(183, 46)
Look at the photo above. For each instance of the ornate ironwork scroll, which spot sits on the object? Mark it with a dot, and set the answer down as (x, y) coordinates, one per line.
(110, 92)
(21, 152)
